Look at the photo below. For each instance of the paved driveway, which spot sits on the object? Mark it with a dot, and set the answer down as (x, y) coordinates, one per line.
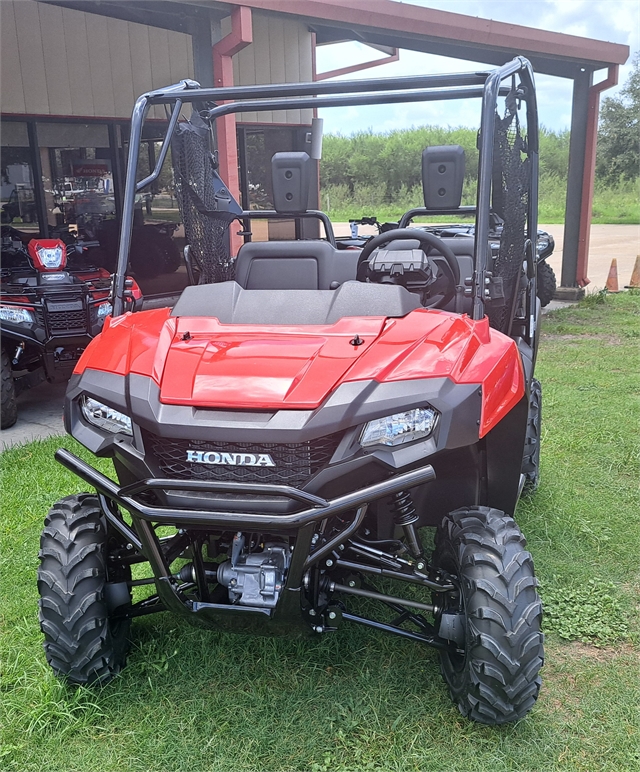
(606, 242)
(40, 409)
(39, 415)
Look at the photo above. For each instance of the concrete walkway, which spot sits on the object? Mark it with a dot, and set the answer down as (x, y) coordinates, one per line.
(40, 409)
(606, 242)
(39, 415)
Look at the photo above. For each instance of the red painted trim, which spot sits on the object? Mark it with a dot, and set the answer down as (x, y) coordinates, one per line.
(429, 23)
(241, 35)
(358, 67)
(314, 64)
(588, 176)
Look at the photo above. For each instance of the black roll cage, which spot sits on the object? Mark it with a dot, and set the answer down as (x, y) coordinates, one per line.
(283, 96)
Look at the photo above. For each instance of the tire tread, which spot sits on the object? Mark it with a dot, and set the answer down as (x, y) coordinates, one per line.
(8, 405)
(500, 680)
(80, 642)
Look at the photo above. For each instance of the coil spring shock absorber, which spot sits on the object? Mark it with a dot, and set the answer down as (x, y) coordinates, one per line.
(405, 515)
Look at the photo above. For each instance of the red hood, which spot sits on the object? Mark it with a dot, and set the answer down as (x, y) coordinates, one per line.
(241, 367)
(198, 361)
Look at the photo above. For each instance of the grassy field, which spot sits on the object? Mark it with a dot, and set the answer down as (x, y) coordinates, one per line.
(193, 700)
(618, 205)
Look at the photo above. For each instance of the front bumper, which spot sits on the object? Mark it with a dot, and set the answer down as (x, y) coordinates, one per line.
(346, 467)
(286, 617)
(318, 509)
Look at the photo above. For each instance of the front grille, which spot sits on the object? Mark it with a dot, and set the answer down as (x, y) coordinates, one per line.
(67, 321)
(294, 463)
(64, 315)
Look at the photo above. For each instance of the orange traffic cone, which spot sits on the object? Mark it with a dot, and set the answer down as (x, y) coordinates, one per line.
(635, 276)
(612, 278)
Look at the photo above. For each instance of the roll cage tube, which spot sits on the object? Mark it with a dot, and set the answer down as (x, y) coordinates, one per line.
(486, 85)
(485, 167)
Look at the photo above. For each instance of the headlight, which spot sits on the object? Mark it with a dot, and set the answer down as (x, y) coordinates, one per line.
(399, 428)
(545, 244)
(542, 242)
(104, 309)
(51, 257)
(17, 315)
(105, 417)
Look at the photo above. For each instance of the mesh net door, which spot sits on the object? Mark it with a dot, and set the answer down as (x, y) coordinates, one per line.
(510, 198)
(206, 205)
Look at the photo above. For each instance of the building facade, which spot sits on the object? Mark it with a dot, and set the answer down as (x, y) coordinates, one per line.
(69, 82)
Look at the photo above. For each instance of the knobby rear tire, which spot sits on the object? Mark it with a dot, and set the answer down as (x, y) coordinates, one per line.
(83, 644)
(531, 454)
(497, 679)
(8, 407)
(546, 284)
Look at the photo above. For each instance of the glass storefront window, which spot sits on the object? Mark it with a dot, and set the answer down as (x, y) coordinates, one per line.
(260, 144)
(77, 174)
(18, 207)
(157, 240)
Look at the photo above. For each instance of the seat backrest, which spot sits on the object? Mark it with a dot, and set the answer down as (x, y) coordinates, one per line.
(294, 265)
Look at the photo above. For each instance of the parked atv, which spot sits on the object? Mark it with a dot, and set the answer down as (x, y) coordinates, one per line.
(153, 250)
(49, 311)
(281, 441)
(545, 244)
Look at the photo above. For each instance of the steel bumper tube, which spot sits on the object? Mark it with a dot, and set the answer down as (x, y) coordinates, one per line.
(319, 509)
(286, 618)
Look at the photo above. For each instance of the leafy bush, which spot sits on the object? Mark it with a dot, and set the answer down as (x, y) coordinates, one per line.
(591, 612)
(380, 174)
(618, 135)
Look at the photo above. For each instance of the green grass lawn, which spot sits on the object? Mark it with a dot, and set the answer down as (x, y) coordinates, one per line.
(618, 204)
(193, 700)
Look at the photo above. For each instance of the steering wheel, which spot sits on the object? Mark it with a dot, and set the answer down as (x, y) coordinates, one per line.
(427, 241)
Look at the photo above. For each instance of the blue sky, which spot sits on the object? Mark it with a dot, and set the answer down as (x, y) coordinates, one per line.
(617, 21)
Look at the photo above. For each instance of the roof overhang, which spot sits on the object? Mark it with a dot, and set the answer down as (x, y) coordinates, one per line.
(413, 27)
(390, 24)
(174, 15)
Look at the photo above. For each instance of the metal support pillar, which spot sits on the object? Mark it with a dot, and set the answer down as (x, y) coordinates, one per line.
(241, 35)
(202, 42)
(589, 173)
(577, 152)
(38, 190)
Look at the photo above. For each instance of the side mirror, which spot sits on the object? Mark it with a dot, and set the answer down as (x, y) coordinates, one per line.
(316, 138)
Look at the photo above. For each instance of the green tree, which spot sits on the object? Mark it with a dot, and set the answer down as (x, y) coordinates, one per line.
(619, 132)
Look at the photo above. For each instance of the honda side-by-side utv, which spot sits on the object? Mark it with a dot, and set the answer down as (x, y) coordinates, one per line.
(285, 434)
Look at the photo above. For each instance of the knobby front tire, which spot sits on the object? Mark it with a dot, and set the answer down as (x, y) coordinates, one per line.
(83, 644)
(496, 680)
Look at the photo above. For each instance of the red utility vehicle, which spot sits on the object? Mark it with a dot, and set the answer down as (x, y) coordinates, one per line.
(284, 436)
(53, 301)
